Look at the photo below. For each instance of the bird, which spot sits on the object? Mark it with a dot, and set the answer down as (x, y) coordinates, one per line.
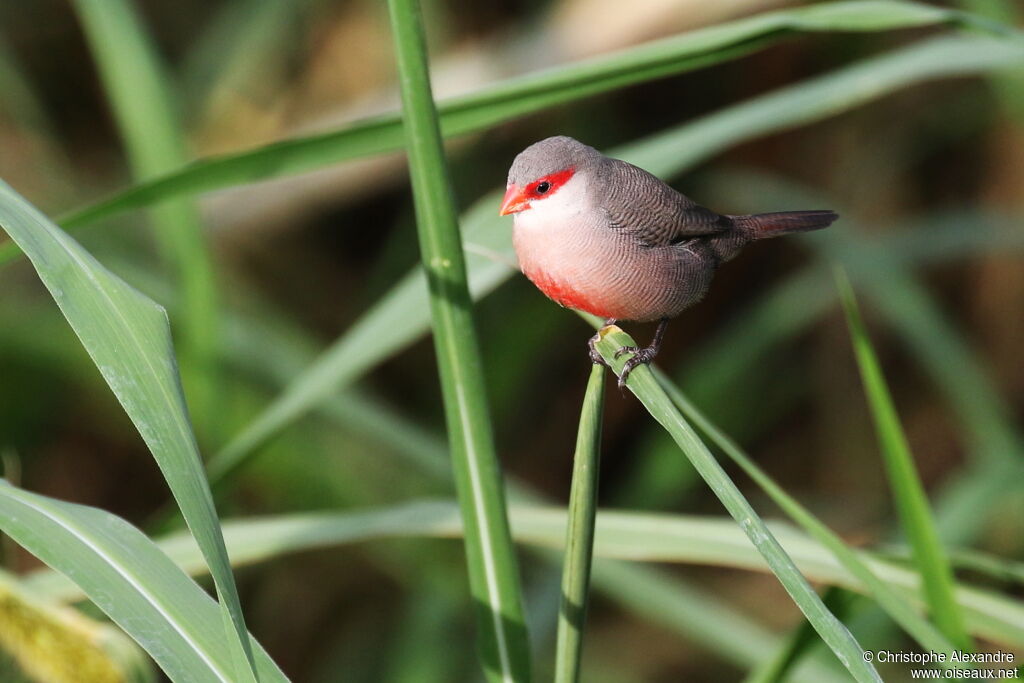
(601, 235)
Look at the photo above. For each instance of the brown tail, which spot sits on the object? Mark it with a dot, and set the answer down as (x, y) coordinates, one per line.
(764, 225)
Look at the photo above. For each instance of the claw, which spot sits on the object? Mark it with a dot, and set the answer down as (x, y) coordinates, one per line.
(641, 357)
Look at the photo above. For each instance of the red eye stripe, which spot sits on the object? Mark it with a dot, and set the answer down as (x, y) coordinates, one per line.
(553, 181)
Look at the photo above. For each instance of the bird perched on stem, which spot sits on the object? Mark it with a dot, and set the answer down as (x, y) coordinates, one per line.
(603, 236)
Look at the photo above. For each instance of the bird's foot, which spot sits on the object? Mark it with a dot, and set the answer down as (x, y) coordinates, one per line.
(642, 355)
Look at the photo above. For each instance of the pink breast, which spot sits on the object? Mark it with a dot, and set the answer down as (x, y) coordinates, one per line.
(573, 263)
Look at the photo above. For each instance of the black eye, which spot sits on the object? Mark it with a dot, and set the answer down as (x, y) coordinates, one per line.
(543, 187)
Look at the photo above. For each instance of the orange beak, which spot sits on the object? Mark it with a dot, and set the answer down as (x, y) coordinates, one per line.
(515, 200)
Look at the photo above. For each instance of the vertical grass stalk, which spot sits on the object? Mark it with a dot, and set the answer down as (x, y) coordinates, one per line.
(579, 535)
(907, 491)
(493, 572)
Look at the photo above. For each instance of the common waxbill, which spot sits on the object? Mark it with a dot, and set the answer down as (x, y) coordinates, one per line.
(606, 237)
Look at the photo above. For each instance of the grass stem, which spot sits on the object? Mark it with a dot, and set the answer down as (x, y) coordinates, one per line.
(493, 572)
(579, 537)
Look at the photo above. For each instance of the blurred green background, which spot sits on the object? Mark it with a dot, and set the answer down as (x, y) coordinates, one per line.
(929, 181)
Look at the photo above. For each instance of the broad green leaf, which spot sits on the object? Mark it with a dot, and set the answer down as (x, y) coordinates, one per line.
(524, 95)
(129, 340)
(620, 535)
(133, 582)
(493, 570)
(645, 387)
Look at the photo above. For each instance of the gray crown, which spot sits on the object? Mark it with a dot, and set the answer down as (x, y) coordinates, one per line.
(551, 155)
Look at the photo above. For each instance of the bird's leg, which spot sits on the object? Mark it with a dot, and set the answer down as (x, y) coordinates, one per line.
(596, 357)
(641, 355)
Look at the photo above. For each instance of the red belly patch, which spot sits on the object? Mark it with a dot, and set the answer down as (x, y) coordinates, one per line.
(568, 296)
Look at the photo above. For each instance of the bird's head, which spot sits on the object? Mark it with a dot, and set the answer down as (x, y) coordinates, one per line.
(544, 168)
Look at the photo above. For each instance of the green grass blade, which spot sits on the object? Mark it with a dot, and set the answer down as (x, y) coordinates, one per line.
(901, 611)
(945, 354)
(695, 615)
(964, 503)
(633, 536)
(401, 315)
(823, 96)
(521, 96)
(907, 490)
(129, 340)
(133, 582)
(579, 539)
(493, 571)
(644, 385)
(146, 114)
(995, 567)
